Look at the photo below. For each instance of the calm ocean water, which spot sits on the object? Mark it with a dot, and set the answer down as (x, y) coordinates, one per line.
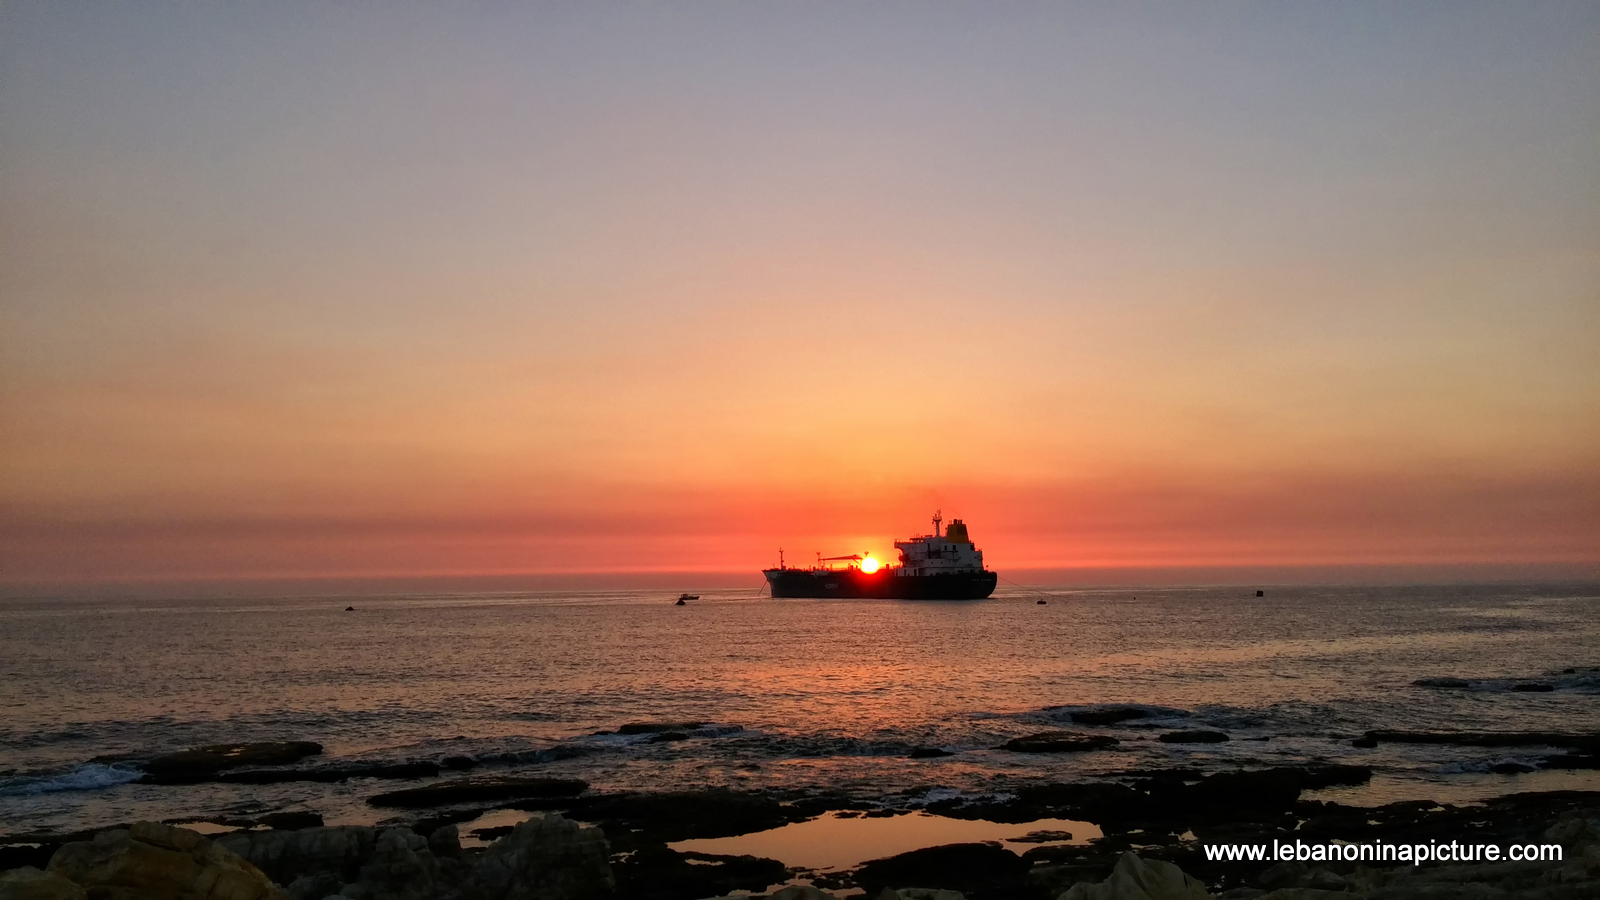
(829, 694)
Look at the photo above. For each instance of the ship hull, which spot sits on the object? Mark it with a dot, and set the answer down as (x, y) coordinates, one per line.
(884, 584)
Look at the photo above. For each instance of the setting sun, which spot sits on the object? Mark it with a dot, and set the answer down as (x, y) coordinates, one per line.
(869, 565)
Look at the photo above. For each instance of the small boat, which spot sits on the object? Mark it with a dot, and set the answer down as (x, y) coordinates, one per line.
(685, 598)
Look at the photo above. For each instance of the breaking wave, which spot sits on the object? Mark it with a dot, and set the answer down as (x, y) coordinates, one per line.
(88, 777)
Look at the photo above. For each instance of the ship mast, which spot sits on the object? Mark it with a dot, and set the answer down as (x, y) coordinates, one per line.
(938, 517)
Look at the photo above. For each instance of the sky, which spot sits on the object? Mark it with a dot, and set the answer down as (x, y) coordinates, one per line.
(489, 289)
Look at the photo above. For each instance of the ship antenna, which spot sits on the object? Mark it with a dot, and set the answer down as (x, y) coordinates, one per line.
(780, 557)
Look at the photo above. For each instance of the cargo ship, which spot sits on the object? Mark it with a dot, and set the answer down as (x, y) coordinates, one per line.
(943, 565)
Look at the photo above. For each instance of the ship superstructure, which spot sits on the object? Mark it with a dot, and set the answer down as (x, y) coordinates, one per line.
(943, 565)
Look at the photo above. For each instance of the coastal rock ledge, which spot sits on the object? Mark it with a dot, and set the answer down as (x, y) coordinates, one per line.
(547, 857)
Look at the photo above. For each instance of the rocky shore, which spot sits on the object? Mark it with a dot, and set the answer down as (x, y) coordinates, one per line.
(577, 843)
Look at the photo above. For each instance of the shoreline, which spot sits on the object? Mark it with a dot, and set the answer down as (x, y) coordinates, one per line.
(1166, 817)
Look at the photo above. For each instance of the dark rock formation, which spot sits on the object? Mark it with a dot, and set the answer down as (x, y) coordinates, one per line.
(1059, 742)
(1108, 716)
(545, 858)
(30, 883)
(657, 727)
(928, 753)
(1145, 879)
(334, 773)
(203, 763)
(1490, 738)
(479, 790)
(286, 856)
(639, 819)
(148, 860)
(978, 870)
(658, 873)
(1193, 737)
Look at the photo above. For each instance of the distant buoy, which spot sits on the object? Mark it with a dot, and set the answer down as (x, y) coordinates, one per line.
(349, 609)
(1040, 602)
(1261, 593)
(681, 603)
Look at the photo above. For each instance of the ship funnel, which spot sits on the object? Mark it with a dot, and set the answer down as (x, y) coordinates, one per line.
(957, 532)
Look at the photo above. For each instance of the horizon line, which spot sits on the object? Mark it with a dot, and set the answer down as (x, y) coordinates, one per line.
(1077, 577)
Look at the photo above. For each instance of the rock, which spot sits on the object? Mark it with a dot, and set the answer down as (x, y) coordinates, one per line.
(1454, 683)
(682, 815)
(479, 790)
(291, 821)
(1059, 742)
(29, 883)
(657, 872)
(1042, 837)
(330, 774)
(1140, 879)
(928, 753)
(1365, 743)
(1574, 832)
(919, 893)
(667, 736)
(1533, 688)
(1193, 737)
(548, 857)
(657, 727)
(203, 763)
(973, 869)
(1510, 768)
(800, 892)
(286, 856)
(157, 862)
(1108, 716)
(400, 868)
(445, 842)
(1489, 738)
(313, 887)
(1300, 875)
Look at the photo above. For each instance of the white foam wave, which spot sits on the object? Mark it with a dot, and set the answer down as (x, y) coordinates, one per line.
(88, 777)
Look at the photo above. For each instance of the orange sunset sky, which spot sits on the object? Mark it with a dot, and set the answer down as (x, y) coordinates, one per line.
(305, 290)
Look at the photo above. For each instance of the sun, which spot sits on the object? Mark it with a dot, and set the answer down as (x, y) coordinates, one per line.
(869, 565)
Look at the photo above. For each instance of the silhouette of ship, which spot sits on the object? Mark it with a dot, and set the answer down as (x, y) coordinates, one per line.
(943, 565)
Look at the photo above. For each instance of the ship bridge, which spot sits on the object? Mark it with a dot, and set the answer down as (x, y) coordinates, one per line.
(949, 551)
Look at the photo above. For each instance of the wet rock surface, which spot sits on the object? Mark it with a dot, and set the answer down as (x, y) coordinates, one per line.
(659, 873)
(1193, 737)
(683, 815)
(1059, 742)
(546, 857)
(479, 790)
(1156, 816)
(1158, 798)
(979, 871)
(1588, 742)
(331, 774)
(1108, 716)
(201, 764)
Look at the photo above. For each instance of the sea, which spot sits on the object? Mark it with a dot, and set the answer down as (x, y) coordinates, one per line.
(789, 695)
